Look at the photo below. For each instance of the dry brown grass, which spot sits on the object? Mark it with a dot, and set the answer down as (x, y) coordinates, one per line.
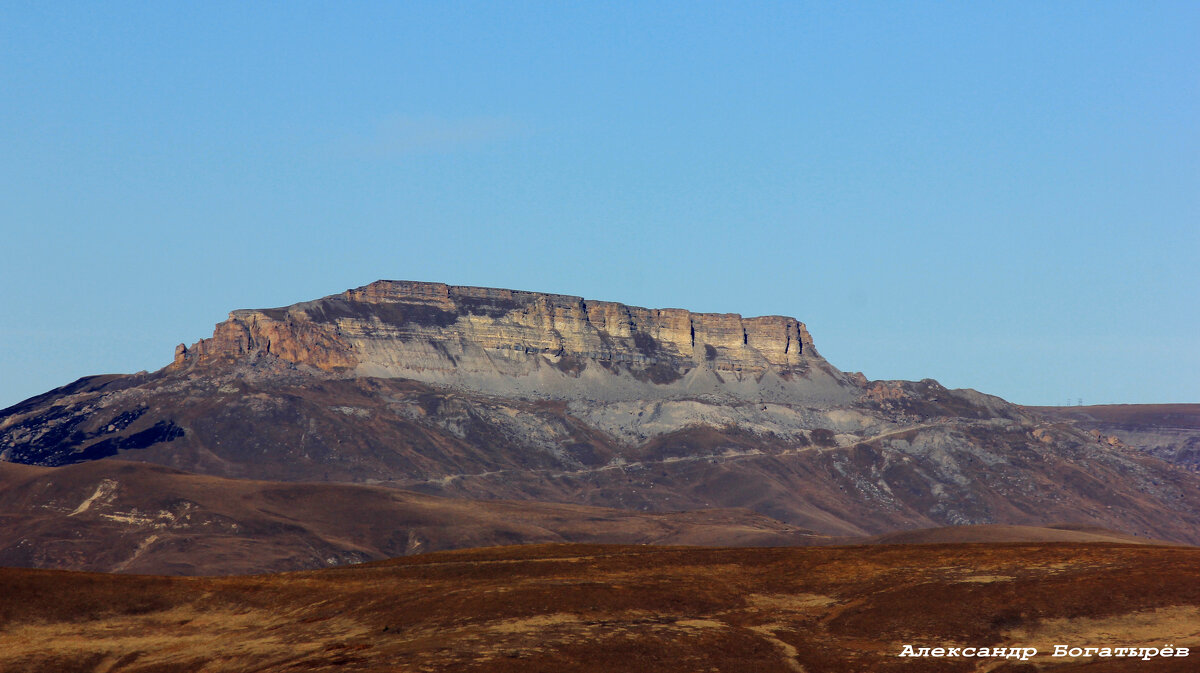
(600, 608)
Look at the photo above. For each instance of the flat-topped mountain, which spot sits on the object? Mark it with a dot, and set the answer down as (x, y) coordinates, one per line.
(527, 343)
(490, 394)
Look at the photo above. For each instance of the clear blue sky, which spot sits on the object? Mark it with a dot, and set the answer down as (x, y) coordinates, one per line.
(1003, 196)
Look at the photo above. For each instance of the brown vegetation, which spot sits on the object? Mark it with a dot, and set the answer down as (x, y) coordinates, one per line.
(608, 608)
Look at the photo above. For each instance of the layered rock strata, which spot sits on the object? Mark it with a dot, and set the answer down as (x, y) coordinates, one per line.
(525, 396)
(548, 345)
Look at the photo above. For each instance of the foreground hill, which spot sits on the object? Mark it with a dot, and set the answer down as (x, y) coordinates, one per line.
(484, 394)
(118, 516)
(137, 518)
(577, 608)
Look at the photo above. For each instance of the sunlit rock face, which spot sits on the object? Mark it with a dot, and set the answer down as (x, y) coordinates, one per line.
(529, 343)
(494, 394)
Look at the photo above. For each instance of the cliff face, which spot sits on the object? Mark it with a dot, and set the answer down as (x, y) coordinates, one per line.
(545, 344)
(494, 394)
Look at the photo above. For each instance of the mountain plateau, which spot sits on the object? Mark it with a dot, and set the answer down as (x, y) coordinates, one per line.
(487, 394)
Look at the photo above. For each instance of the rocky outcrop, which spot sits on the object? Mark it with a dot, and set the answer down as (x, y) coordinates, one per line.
(494, 394)
(1169, 431)
(552, 345)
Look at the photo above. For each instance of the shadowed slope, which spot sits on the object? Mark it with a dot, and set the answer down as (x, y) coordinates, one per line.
(906, 455)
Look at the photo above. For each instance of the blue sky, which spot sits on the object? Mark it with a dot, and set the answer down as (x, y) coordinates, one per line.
(1002, 196)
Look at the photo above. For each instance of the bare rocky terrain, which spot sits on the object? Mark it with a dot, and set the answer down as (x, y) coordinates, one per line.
(483, 394)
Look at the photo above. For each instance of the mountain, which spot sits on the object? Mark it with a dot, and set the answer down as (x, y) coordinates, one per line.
(546, 346)
(489, 394)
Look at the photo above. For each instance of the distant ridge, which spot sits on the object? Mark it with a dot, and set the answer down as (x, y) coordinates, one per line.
(1169, 431)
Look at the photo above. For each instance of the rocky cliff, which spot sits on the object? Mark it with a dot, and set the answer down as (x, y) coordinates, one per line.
(545, 345)
(494, 394)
